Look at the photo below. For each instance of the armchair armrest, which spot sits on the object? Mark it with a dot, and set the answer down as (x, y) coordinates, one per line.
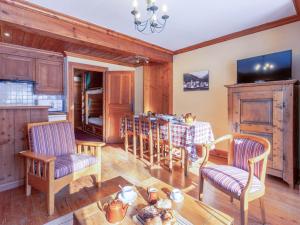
(35, 156)
(251, 163)
(90, 143)
(207, 147)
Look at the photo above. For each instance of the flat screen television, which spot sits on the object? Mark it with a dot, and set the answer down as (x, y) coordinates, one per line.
(271, 67)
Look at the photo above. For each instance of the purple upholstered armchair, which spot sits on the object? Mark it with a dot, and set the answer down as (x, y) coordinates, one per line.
(56, 159)
(244, 176)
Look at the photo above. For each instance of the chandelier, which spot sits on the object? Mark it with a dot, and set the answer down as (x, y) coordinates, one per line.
(153, 24)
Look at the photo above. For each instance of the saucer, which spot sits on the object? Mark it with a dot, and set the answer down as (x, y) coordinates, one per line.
(127, 200)
(180, 199)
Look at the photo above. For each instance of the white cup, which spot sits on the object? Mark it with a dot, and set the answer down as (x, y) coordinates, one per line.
(128, 192)
(176, 194)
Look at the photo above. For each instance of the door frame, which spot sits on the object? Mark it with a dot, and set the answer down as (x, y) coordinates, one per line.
(70, 89)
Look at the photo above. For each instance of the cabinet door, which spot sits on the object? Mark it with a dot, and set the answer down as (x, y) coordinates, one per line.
(15, 67)
(119, 101)
(49, 77)
(261, 113)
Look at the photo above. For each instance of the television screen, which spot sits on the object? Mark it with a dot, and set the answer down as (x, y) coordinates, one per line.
(271, 67)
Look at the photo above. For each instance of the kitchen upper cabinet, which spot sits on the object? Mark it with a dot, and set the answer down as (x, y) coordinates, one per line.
(15, 67)
(49, 77)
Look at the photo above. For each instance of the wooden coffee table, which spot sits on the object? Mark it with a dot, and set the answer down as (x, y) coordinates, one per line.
(191, 209)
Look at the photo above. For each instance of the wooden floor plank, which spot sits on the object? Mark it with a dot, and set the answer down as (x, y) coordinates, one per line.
(118, 168)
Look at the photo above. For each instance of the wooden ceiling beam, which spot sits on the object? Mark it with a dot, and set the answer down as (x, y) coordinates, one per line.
(297, 6)
(47, 22)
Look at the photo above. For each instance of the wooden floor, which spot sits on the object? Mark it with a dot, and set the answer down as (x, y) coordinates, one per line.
(282, 204)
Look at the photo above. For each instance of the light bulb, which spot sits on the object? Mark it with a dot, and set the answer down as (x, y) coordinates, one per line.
(164, 8)
(154, 17)
(138, 15)
(135, 3)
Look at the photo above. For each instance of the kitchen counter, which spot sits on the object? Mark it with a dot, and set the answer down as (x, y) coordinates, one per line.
(56, 113)
(23, 107)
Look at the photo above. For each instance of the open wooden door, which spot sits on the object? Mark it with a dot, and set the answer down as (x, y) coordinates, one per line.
(119, 101)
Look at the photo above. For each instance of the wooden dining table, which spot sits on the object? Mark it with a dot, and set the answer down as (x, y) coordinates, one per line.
(183, 135)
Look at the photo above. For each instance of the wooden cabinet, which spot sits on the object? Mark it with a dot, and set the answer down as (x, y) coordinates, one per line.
(22, 63)
(13, 139)
(268, 110)
(14, 67)
(49, 77)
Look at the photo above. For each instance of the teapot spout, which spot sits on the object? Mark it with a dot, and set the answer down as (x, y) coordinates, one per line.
(124, 209)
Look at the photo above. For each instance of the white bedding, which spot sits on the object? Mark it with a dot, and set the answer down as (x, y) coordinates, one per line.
(96, 121)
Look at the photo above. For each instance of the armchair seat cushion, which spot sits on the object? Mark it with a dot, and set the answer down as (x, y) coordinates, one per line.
(230, 178)
(67, 164)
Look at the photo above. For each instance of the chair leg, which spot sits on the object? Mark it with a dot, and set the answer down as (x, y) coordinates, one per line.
(27, 186)
(262, 208)
(151, 151)
(244, 212)
(201, 184)
(126, 143)
(50, 192)
(141, 148)
(134, 145)
(50, 202)
(170, 159)
(182, 157)
(186, 163)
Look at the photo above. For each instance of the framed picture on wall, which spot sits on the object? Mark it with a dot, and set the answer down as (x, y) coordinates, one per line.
(196, 81)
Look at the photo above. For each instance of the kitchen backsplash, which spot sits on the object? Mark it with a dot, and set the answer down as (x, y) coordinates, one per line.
(12, 93)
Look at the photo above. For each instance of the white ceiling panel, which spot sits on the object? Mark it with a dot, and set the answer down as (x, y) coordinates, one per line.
(191, 21)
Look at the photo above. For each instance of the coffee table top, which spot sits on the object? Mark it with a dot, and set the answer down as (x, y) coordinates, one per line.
(191, 209)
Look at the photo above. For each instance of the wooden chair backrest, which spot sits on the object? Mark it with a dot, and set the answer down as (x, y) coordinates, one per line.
(147, 120)
(129, 118)
(159, 123)
(266, 144)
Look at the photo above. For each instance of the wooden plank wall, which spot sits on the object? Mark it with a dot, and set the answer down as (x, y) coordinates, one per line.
(158, 88)
(13, 139)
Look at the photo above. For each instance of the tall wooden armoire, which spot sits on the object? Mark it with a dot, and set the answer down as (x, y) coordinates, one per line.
(269, 110)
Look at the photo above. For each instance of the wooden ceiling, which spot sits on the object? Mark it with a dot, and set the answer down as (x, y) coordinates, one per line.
(23, 37)
(34, 26)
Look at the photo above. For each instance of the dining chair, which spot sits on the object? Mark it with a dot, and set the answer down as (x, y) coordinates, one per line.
(165, 149)
(146, 137)
(130, 132)
(244, 176)
(55, 159)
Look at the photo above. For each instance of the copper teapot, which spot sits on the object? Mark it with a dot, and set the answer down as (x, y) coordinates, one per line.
(115, 211)
(189, 118)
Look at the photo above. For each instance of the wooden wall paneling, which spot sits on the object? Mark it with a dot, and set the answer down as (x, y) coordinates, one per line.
(37, 116)
(158, 88)
(119, 90)
(56, 25)
(21, 118)
(7, 156)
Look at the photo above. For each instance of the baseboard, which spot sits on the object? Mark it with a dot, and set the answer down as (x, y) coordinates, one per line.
(11, 185)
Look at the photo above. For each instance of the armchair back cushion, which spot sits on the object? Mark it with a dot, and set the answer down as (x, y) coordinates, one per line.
(53, 139)
(245, 149)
